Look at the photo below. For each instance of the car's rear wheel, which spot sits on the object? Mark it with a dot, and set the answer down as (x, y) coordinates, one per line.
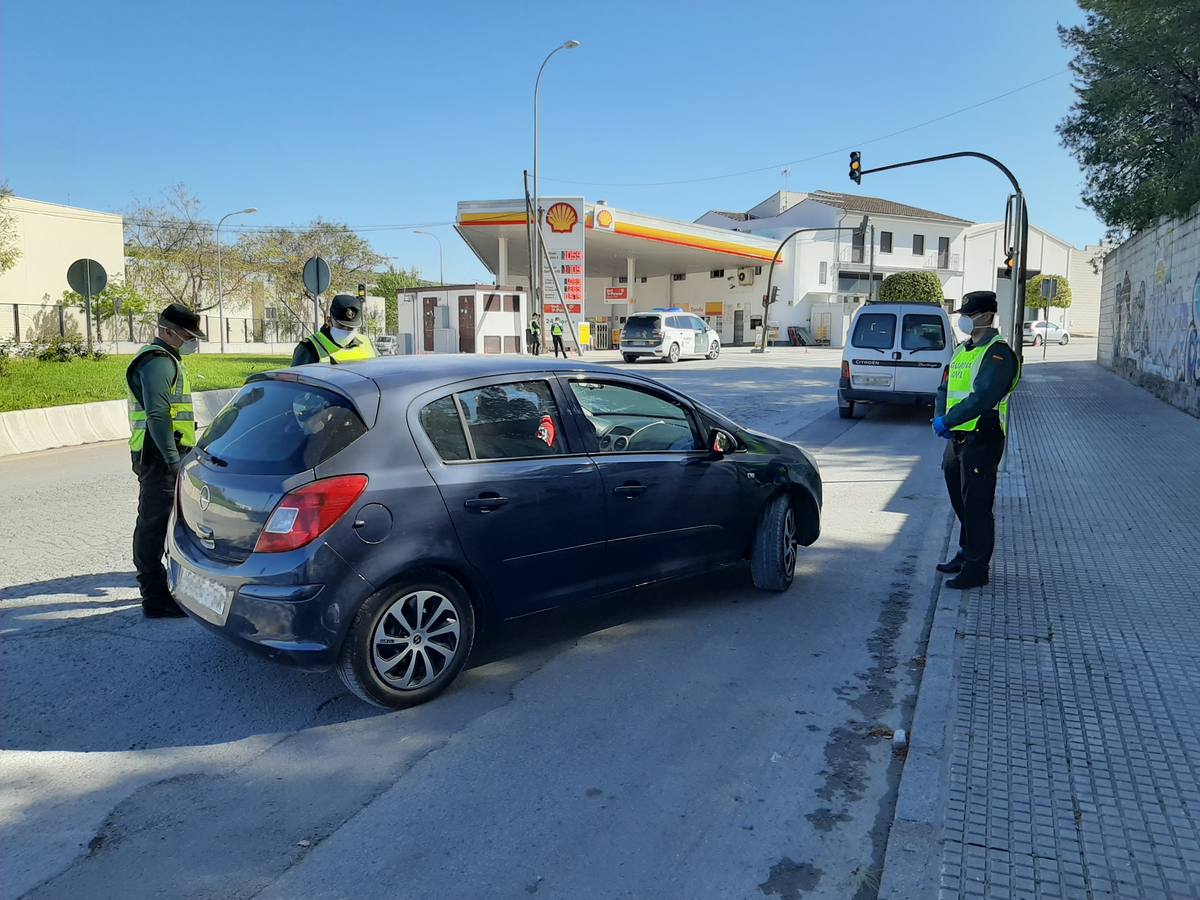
(408, 643)
(847, 411)
(629, 357)
(714, 350)
(773, 558)
(673, 353)
(1037, 340)
(1066, 339)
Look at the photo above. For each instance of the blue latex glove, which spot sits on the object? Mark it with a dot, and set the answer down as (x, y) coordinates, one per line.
(940, 428)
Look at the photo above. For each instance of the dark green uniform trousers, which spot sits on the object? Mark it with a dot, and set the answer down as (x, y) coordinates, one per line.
(971, 463)
(156, 495)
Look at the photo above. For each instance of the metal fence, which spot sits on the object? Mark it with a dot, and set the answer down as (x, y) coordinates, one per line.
(26, 323)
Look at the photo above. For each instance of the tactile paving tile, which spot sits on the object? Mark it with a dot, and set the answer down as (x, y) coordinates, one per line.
(1075, 754)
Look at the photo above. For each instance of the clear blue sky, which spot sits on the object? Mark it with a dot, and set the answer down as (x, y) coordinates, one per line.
(385, 113)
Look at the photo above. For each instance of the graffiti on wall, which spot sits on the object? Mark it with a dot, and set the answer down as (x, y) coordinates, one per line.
(1157, 312)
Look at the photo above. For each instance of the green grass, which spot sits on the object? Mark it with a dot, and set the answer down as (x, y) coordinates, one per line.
(30, 384)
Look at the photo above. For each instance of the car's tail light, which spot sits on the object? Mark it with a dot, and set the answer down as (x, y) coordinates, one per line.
(657, 334)
(845, 369)
(945, 374)
(308, 512)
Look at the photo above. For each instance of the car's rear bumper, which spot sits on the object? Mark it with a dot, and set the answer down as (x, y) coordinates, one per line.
(289, 607)
(897, 398)
(643, 351)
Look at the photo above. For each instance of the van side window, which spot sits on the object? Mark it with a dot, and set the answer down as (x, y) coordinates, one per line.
(875, 331)
(922, 332)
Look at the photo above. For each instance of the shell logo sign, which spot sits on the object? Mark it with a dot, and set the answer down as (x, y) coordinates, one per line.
(561, 217)
(604, 219)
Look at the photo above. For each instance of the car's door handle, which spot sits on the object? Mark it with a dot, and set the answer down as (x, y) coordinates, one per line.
(485, 504)
(629, 490)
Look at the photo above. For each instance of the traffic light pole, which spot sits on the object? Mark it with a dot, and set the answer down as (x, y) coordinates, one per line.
(1014, 317)
(769, 299)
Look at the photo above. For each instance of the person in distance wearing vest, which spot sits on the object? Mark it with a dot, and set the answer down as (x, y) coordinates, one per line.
(556, 332)
(162, 429)
(535, 336)
(972, 414)
(339, 340)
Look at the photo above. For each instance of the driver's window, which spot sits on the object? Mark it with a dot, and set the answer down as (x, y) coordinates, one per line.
(632, 420)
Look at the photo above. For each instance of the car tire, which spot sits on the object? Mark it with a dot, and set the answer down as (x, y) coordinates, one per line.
(714, 351)
(629, 357)
(673, 354)
(1037, 340)
(773, 557)
(424, 604)
(847, 411)
(1066, 339)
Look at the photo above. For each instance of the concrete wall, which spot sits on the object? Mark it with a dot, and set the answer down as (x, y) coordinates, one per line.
(51, 237)
(1087, 272)
(1150, 311)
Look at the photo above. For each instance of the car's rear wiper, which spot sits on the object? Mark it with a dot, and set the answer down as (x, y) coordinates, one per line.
(215, 460)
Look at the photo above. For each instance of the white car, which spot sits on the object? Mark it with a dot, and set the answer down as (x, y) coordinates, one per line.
(1043, 332)
(897, 353)
(387, 345)
(669, 334)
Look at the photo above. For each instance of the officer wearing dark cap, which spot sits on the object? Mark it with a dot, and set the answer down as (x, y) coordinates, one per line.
(339, 340)
(972, 414)
(162, 429)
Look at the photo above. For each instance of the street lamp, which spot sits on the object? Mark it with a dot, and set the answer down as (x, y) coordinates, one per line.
(535, 263)
(441, 275)
(249, 210)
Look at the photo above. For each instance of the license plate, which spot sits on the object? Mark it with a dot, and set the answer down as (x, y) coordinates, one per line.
(872, 379)
(197, 590)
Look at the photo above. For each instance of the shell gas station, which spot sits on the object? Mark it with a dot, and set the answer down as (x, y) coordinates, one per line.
(604, 264)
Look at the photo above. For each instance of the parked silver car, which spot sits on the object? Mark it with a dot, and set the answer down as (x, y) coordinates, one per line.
(1041, 332)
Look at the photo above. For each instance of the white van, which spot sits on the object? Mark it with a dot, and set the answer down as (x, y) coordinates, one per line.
(897, 353)
(668, 334)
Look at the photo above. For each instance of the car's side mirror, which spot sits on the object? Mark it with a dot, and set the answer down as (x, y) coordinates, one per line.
(721, 442)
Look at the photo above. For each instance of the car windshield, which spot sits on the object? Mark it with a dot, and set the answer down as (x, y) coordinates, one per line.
(875, 331)
(280, 427)
(641, 326)
(922, 331)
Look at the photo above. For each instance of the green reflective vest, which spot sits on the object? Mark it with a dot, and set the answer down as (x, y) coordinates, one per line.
(963, 368)
(556, 329)
(327, 350)
(183, 417)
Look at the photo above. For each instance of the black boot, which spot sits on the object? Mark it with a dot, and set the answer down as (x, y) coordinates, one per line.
(161, 608)
(965, 580)
(951, 566)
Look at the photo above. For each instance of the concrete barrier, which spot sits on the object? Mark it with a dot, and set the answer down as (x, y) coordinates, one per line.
(30, 430)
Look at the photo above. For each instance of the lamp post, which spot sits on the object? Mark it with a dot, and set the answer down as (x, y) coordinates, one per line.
(535, 262)
(249, 210)
(441, 274)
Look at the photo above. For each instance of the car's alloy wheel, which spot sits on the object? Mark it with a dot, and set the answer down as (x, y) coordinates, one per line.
(714, 350)
(673, 353)
(408, 643)
(1066, 339)
(773, 557)
(1037, 340)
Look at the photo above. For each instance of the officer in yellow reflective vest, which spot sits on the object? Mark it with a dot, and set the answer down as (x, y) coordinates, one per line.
(556, 333)
(972, 414)
(339, 340)
(162, 427)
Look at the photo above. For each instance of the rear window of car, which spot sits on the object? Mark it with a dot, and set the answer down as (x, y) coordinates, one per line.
(875, 331)
(281, 427)
(504, 421)
(640, 326)
(922, 331)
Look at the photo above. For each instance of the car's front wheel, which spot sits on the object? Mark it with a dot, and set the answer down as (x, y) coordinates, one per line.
(1066, 339)
(773, 558)
(714, 350)
(673, 354)
(409, 642)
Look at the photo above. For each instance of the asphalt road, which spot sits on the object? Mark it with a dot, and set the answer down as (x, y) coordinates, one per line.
(700, 740)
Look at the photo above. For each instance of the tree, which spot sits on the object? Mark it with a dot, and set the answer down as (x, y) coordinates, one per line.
(912, 287)
(1135, 127)
(172, 253)
(10, 252)
(390, 283)
(1033, 293)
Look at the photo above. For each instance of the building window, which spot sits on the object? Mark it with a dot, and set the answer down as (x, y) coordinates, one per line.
(943, 253)
(823, 273)
(622, 279)
(717, 273)
(491, 303)
(680, 276)
(856, 247)
(511, 303)
(885, 242)
(918, 245)
(758, 270)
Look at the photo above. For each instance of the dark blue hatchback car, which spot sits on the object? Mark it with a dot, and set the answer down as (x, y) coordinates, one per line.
(370, 517)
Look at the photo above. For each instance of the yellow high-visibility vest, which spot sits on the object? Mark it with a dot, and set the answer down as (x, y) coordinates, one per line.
(964, 366)
(326, 349)
(183, 416)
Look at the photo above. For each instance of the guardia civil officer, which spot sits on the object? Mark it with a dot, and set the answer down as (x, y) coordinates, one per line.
(972, 414)
(535, 336)
(556, 333)
(162, 428)
(339, 340)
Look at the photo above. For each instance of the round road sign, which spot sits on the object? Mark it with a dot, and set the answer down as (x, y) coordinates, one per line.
(316, 275)
(86, 277)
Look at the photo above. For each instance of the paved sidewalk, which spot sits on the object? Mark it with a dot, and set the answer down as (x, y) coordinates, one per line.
(1056, 740)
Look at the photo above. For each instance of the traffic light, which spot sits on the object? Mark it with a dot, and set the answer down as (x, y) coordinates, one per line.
(856, 167)
(767, 301)
(1010, 261)
(362, 292)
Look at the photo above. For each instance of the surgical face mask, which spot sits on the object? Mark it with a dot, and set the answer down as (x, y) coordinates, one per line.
(189, 346)
(966, 324)
(341, 336)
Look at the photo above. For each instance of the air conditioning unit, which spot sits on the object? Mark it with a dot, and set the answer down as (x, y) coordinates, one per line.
(746, 275)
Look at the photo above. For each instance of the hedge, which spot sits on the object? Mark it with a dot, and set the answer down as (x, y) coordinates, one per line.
(912, 287)
(1033, 293)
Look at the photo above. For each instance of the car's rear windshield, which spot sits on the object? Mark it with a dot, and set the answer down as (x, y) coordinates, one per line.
(641, 326)
(923, 331)
(875, 331)
(282, 427)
